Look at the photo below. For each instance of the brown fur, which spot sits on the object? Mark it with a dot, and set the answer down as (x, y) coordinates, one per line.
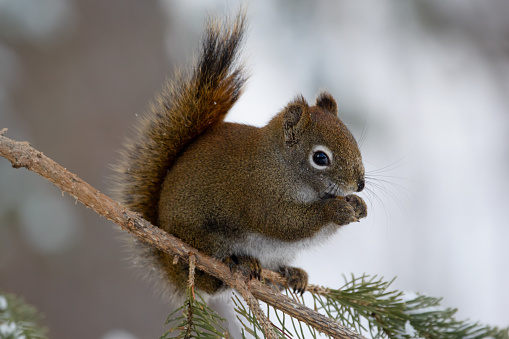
(235, 191)
(188, 106)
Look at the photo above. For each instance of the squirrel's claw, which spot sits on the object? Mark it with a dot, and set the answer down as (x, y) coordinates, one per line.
(296, 278)
(247, 265)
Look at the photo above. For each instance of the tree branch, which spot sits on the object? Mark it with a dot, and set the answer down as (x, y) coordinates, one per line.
(21, 154)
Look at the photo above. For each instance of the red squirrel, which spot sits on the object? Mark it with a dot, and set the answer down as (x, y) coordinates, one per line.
(250, 197)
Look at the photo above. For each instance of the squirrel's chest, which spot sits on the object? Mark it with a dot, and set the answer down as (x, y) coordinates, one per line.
(274, 253)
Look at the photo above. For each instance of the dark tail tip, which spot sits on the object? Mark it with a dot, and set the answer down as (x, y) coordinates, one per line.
(220, 50)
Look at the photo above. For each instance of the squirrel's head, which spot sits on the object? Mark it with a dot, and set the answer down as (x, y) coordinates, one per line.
(319, 148)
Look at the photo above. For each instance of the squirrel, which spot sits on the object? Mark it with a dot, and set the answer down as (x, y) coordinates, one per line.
(250, 197)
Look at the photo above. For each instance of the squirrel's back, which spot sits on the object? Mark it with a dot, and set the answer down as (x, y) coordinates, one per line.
(189, 105)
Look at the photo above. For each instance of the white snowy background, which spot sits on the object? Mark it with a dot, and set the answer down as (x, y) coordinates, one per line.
(423, 85)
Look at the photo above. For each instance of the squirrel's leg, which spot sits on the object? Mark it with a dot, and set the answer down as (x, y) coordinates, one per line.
(306, 220)
(300, 221)
(296, 278)
(246, 264)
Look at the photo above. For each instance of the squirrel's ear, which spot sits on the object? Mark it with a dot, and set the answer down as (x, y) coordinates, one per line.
(294, 113)
(326, 101)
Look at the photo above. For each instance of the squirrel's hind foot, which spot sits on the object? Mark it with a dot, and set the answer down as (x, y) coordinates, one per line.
(296, 278)
(245, 264)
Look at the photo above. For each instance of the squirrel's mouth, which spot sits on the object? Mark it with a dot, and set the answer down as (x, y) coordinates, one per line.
(325, 196)
(332, 191)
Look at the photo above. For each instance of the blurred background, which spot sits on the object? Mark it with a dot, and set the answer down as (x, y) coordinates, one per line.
(423, 85)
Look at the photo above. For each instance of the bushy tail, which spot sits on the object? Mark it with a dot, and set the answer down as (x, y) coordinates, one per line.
(187, 107)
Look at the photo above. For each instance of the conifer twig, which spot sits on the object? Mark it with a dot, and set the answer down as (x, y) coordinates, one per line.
(190, 285)
(21, 154)
(254, 306)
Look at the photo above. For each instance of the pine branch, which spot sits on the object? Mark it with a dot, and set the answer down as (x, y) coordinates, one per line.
(389, 314)
(21, 154)
(395, 314)
(197, 320)
(368, 305)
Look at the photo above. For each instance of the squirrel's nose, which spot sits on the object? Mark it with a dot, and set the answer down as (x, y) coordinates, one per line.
(360, 185)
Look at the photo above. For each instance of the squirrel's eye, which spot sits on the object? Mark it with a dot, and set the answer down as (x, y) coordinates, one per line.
(321, 159)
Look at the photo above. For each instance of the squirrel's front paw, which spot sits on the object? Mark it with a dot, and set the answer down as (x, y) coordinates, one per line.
(296, 278)
(359, 206)
(249, 266)
(347, 209)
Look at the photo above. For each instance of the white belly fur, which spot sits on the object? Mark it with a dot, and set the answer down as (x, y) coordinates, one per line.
(276, 253)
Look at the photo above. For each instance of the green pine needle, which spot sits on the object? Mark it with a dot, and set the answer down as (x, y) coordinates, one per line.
(365, 304)
(19, 320)
(195, 320)
(368, 306)
(251, 324)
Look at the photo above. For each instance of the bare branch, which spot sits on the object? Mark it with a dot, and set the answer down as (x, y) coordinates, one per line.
(21, 154)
